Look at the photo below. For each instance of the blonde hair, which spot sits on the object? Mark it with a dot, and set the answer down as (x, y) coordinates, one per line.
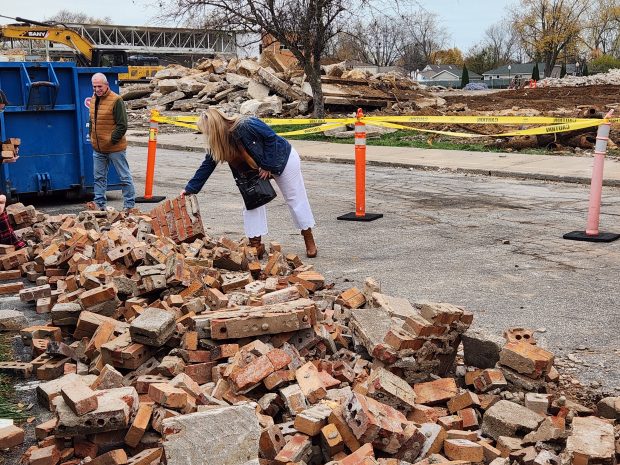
(217, 129)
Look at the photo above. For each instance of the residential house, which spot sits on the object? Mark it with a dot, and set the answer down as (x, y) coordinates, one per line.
(446, 75)
(523, 71)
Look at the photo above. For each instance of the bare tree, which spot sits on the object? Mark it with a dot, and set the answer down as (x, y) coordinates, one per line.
(379, 41)
(425, 36)
(305, 27)
(501, 41)
(77, 17)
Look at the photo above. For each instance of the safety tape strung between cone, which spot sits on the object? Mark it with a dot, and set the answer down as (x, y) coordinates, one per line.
(555, 125)
(414, 119)
(552, 129)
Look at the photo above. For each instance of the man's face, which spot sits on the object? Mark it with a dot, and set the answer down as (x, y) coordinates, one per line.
(100, 87)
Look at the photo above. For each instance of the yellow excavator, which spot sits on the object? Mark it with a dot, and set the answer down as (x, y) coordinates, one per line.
(87, 53)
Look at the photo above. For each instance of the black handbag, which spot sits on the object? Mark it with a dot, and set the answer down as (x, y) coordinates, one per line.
(255, 191)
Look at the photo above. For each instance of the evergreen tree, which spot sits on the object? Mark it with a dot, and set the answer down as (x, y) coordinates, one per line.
(536, 73)
(563, 70)
(464, 76)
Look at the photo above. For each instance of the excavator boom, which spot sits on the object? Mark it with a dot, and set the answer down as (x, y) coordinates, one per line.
(52, 33)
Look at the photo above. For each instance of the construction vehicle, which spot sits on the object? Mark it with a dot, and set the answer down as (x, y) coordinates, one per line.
(140, 68)
(87, 54)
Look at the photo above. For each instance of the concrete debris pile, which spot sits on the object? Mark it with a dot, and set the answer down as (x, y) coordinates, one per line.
(168, 346)
(250, 87)
(612, 77)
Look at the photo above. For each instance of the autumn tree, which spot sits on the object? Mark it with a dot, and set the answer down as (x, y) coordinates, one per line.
(451, 56)
(546, 27)
(479, 59)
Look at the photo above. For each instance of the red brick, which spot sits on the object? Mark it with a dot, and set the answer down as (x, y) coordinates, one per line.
(113, 457)
(10, 288)
(435, 392)
(469, 418)
(310, 382)
(527, 359)
(49, 455)
(167, 395)
(97, 295)
(462, 449)
(79, 397)
(199, 372)
(489, 379)
(358, 457)
(271, 442)
(295, 450)
(11, 436)
(45, 429)
(140, 425)
(463, 400)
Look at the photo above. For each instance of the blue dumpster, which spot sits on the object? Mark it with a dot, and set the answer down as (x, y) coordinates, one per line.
(48, 111)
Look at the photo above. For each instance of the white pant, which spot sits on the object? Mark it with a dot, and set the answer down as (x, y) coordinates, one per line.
(291, 184)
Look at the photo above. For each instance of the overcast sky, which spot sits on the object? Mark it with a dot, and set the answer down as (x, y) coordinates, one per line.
(465, 20)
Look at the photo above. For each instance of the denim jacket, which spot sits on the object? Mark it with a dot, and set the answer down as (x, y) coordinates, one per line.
(267, 149)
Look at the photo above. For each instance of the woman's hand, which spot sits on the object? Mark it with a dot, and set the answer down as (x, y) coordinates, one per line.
(264, 174)
(183, 193)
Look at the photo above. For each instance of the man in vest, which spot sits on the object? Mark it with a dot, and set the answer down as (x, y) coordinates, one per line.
(108, 125)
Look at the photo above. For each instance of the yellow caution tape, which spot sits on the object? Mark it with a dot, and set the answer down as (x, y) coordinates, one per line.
(552, 124)
(475, 119)
(432, 131)
(174, 122)
(321, 128)
(552, 129)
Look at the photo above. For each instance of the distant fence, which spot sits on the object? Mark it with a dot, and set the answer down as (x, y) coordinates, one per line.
(456, 83)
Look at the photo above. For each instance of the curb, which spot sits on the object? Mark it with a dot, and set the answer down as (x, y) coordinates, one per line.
(477, 171)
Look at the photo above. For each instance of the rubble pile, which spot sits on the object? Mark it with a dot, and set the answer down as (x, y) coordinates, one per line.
(612, 77)
(250, 87)
(168, 346)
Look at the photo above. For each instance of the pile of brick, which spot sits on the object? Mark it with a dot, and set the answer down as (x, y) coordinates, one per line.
(10, 149)
(168, 346)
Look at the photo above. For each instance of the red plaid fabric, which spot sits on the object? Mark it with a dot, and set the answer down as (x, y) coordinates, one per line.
(7, 236)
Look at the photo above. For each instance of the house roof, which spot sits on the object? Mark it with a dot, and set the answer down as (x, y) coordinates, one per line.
(452, 69)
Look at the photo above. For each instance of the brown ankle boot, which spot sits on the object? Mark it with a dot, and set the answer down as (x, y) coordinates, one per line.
(311, 250)
(260, 248)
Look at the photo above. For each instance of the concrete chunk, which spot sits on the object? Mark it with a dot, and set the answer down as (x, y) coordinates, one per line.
(506, 418)
(591, 442)
(115, 409)
(391, 390)
(218, 436)
(153, 327)
(481, 349)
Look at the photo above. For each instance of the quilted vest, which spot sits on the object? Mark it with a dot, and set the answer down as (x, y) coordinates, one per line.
(103, 126)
